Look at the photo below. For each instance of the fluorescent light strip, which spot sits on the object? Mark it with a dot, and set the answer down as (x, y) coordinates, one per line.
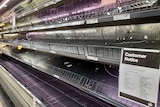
(4, 4)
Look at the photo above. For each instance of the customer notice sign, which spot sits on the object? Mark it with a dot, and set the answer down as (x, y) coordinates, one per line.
(139, 76)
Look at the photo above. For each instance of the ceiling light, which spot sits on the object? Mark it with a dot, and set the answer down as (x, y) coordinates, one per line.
(4, 4)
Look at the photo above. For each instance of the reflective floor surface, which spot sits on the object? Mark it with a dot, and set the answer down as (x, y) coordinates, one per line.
(4, 99)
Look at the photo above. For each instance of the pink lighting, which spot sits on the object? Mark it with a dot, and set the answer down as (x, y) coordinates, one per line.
(107, 2)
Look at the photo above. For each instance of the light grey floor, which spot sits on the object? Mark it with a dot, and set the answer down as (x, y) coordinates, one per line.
(4, 100)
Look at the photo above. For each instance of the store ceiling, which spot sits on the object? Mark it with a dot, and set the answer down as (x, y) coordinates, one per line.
(10, 5)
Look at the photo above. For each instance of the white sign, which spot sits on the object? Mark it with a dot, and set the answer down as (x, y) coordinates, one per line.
(92, 58)
(121, 17)
(139, 76)
(92, 21)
